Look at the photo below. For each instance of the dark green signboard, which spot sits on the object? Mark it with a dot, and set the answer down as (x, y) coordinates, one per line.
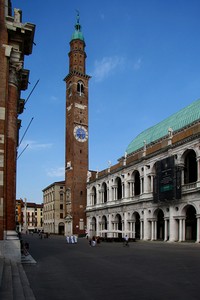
(167, 180)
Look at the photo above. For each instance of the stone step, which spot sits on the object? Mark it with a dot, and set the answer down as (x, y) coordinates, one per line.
(28, 293)
(14, 283)
(6, 291)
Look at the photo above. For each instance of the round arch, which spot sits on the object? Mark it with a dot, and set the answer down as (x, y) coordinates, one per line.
(104, 223)
(118, 182)
(93, 228)
(61, 228)
(189, 158)
(159, 214)
(190, 222)
(118, 225)
(136, 219)
(94, 195)
(136, 177)
(105, 194)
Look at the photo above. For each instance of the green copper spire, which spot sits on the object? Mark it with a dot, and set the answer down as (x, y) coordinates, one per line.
(77, 35)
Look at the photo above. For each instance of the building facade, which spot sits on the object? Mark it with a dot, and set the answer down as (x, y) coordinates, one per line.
(29, 216)
(153, 192)
(16, 41)
(76, 157)
(54, 208)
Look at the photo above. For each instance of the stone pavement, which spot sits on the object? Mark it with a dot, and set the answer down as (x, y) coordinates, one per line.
(145, 270)
(56, 270)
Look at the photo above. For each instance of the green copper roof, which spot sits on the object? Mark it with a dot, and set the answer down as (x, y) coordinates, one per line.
(77, 35)
(177, 121)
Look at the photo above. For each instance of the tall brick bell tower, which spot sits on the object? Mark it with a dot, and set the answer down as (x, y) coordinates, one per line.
(76, 149)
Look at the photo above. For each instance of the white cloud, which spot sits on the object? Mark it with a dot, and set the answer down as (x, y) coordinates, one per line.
(33, 145)
(106, 66)
(56, 172)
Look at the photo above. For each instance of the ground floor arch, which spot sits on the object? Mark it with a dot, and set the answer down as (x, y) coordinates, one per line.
(176, 223)
(61, 228)
(160, 225)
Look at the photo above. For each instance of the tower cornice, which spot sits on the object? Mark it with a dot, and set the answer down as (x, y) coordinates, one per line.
(76, 73)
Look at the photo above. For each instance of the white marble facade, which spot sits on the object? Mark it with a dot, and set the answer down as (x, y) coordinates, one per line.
(122, 202)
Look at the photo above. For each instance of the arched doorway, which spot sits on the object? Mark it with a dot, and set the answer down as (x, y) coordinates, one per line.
(190, 224)
(118, 220)
(61, 228)
(104, 223)
(160, 225)
(104, 226)
(137, 225)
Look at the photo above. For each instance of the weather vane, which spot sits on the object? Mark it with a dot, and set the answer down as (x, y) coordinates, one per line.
(77, 17)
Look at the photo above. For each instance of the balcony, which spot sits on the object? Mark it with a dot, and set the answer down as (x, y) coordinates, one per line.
(190, 186)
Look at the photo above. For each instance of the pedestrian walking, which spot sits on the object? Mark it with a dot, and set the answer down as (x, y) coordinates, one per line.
(67, 239)
(126, 244)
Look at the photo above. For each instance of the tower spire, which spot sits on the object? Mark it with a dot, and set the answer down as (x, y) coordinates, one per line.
(77, 33)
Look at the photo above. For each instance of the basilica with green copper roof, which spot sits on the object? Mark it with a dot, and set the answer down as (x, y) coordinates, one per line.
(179, 120)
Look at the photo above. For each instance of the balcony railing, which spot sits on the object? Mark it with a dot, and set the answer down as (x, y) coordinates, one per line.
(189, 186)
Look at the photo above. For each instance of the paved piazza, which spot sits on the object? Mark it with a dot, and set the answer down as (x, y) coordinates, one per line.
(145, 270)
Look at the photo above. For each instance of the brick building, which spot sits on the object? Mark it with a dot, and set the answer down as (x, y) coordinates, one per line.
(76, 159)
(16, 41)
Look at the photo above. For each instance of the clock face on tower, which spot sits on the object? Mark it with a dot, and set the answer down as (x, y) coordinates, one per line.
(80, 133)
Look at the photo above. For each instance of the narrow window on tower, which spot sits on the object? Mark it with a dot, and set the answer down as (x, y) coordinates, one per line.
(80, 88)
(70, 88)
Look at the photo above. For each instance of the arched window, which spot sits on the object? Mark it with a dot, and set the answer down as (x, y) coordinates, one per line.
(105, 196)
(119, 188)
(190, 172)
(94, 196)
(137, 183)
(80, 88)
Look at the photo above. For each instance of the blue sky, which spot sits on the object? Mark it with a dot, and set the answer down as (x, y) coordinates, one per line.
(144, 60)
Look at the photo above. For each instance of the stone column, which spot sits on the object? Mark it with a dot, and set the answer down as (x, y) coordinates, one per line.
(141, 185)
(198, 228)
(97, 194)
(198, 168)
(152, 230)
(173, 227)
(141, 229)
(152, 179)
(183, 230)
(125, 223)
(155, 230)
(180, 230)
(147, 227)
(166, 230)
(123, 194)
(145, 189)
